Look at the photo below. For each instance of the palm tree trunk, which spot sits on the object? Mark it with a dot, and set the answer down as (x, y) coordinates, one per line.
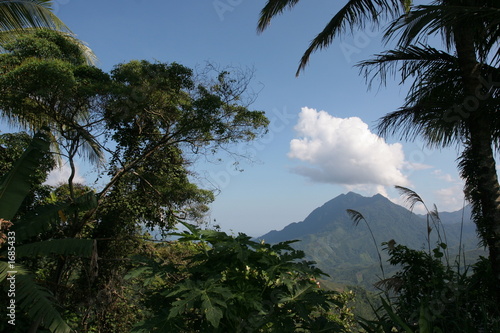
(485, 197)
(479, 171)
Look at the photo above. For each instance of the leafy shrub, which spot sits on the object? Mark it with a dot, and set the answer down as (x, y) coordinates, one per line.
(235, 284)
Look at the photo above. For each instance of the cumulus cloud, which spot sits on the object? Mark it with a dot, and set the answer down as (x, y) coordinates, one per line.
(344, 151)
(61, 175)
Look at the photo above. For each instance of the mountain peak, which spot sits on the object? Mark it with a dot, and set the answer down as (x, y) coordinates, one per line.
(352, 194)
(330, 215)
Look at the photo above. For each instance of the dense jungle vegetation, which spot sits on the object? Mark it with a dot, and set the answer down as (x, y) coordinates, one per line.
(80, 259)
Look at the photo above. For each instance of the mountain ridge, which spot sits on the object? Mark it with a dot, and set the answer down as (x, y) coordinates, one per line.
(347, 252)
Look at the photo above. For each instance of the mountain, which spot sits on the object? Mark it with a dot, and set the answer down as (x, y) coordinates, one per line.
(455, 217)
(348, 253)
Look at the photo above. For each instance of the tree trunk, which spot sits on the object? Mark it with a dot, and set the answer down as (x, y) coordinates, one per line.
(480, 173)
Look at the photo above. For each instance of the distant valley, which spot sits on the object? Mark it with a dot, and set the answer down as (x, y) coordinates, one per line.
(347, 252)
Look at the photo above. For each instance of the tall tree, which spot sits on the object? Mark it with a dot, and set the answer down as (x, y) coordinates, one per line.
(45, 81)
(148, 118)
(454, 99)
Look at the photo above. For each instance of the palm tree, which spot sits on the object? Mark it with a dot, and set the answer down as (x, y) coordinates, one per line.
(455, 99)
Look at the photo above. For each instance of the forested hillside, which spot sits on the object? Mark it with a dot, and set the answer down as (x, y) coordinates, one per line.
(347, 251)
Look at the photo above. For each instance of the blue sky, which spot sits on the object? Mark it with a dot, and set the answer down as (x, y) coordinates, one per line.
(321, 141)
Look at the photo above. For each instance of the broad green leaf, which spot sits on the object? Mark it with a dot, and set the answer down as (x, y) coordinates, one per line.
(16, 184)
(35, 300)
(67, 246)
(213, 314)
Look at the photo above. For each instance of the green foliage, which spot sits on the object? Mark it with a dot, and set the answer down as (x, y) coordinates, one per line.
(16, 184)
(429, 294)
(18, 16)
(48, 216)
(45, 82)
(67, 246)
(432, 296)
(155, 116)
(158, 115)
(234, 284)
(43, 44)
(158, 101)
(36, 301)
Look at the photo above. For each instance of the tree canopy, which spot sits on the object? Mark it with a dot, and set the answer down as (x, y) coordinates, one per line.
(139, 124)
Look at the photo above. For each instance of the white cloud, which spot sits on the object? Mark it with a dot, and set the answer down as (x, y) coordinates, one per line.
(417, 166)
(444, 176)
(450, 199)
(61, 175)
(344, 151)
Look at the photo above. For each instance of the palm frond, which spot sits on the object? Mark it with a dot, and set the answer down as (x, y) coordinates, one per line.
(88, 54)
(357, 217)
(34, 299)
(425, 20)
(352, 15)
(393, 283)
(435, 106)
(91, 147)
(25, 14)
(470, 171)
(411, 61)
(435, 214)
(272, 9)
